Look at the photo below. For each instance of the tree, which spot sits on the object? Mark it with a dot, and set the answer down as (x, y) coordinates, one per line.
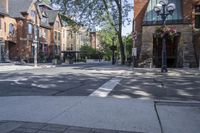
(129, 45)
(99, 13)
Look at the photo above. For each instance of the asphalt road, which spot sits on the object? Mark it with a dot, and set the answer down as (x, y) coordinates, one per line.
(84, 79)
(73, 80)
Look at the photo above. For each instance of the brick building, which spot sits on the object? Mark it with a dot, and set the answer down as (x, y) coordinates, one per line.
(8, 36)
(24, 23)
(183, 49)
(94, 40)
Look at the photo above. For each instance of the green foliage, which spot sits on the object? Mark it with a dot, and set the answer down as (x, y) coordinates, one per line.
(90, 53)
(46, 1)
(129, 45)
(93, 13)
(42, 57)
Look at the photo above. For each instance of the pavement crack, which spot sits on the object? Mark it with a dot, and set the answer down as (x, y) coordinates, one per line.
(159, 120)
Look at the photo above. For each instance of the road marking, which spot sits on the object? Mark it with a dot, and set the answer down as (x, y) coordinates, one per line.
(106, 88)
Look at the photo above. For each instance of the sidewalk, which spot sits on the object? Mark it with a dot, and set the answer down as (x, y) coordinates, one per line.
(130, 115)
(12, 67)
(89, 112)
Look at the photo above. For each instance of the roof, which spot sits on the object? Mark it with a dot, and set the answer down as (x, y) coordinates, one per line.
(2, 7)
(52, 14)
(16, 7)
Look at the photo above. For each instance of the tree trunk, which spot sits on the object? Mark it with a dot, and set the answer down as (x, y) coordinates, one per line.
(119, 5)
(121, 49)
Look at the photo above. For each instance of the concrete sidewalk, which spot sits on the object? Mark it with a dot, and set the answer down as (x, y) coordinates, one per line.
(103, 113)
(91, 112)
(12, 67)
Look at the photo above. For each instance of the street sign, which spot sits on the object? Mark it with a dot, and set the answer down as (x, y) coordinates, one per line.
(134, 35)
(134, 51)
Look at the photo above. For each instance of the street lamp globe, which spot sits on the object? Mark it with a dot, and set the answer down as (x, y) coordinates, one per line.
(163, 2)
(171, 7)
(158, 8)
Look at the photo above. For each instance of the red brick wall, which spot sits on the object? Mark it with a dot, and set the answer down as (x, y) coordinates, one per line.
(187, 11)
(141, 5)
(139, 12)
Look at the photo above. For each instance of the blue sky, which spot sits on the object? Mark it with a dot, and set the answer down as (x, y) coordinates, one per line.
(128, 28)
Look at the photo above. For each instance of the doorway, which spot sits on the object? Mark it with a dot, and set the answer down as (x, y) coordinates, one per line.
(172, 51)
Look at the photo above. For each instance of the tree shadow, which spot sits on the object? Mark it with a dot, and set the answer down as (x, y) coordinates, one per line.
(159, 87)
(62, 84)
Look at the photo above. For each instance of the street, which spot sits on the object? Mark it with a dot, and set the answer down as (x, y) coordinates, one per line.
(99, 97)
(84, 79)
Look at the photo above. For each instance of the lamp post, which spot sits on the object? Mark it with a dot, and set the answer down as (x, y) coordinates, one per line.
(113, 48)
(164, 9)
(113, 51)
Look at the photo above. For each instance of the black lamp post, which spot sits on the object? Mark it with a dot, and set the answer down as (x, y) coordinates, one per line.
(164, 9)
(113, 48)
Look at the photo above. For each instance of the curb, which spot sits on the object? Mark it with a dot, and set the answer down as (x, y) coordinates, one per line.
(177, 103)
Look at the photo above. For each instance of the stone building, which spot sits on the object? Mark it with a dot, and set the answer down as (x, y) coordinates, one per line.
(94, 40)
(181, 51)
(44, 32)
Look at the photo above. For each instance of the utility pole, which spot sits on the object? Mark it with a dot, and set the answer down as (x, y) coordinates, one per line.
(35, 44)
(35, 54)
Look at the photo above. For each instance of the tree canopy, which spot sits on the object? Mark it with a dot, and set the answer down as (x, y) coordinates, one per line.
(94, 13)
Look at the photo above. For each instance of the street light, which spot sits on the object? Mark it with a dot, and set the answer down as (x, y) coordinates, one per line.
(113, 48)
(164, 9)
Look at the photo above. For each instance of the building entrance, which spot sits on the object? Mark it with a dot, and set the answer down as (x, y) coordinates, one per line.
(172, 51)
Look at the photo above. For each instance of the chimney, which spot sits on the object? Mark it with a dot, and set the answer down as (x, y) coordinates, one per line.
(4, 3)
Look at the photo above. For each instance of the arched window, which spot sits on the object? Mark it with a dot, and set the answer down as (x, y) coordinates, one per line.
(11, 29)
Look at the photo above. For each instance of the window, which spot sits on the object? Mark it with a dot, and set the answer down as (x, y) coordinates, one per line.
(46, 33)
(197, 16)
(152, 18)
(55, 35)
(58, 36)
(11, 29)
(5, 26)
(33, 15)
(36, 32)
(40, 32)
(30, 28)
(71, 34)
(46, 49)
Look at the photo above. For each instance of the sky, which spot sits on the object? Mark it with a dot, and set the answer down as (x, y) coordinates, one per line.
(127, 29)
